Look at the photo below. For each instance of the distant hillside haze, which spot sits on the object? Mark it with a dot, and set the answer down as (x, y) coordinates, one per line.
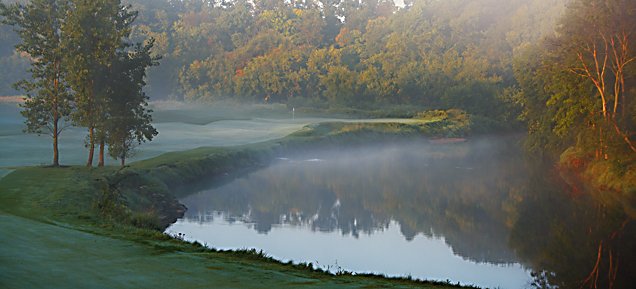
(328, 53)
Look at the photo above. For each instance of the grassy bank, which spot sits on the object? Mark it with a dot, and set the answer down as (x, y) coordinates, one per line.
(102, 228)
(611, 181)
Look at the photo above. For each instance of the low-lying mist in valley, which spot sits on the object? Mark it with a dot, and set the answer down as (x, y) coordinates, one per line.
(477, 199)
(460, 192)
(181, 126)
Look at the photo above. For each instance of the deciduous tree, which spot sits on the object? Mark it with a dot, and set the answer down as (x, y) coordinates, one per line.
(129, 119)
(49, 101)
(94, 31)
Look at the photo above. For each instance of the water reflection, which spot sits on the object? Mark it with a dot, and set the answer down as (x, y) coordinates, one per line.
(459, 192)
(471, 212)
(573, 238)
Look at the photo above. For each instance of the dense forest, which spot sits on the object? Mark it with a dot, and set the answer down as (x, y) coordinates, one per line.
(336, 53)
(430, 54)
(563, 68)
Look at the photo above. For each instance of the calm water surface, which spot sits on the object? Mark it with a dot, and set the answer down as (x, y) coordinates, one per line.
(457, 212)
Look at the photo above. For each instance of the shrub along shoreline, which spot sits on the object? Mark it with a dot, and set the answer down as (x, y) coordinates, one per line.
(138, 202)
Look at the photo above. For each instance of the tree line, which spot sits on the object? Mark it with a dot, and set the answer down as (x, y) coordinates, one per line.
(343, 53)
(84, 71)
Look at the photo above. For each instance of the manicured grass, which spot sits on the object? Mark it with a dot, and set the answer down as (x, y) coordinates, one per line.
(49, 193)
(74, 227)
(39, 255)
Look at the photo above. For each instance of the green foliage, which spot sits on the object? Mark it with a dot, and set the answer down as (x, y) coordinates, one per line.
(110, 204)
(576, 86)
(48, 103)
(445, 54)
(129, 121)
(94, 33)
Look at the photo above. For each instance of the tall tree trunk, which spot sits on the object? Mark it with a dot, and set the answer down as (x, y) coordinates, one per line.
(101, 153)
(91, 129)
(91, 148)
(56, 115)
(56, 157)
(123, 161)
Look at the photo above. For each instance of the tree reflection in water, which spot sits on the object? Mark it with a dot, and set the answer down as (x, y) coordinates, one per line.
(480, 196)
(581, 239)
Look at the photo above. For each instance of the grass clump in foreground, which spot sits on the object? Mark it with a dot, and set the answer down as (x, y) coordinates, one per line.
(103, 227)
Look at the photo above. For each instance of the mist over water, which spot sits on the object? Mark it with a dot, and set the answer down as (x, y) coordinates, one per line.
(473, 212)
(431, 211)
